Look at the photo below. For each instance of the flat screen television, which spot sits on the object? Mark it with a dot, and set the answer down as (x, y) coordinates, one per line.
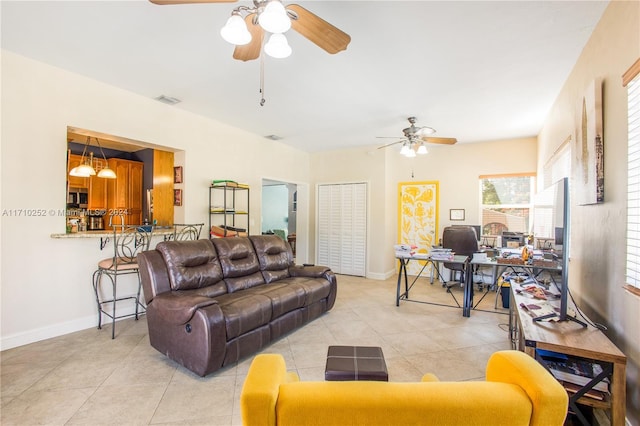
(551, 220)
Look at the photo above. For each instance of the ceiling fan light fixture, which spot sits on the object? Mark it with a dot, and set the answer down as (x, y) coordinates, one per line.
(235, 30)
(422, 150)
(410, 153)
(274, 18)
(277, 47)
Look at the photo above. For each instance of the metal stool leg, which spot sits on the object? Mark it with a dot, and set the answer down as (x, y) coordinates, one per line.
(137, 301)
(97, 276)
(113, 317)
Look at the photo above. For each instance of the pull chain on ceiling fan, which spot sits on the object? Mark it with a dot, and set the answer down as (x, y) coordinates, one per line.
(415, 138)
(247, 25)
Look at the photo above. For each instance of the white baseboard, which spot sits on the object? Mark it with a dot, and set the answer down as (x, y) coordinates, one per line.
(56, 330)
(43, 333)
(381, 276)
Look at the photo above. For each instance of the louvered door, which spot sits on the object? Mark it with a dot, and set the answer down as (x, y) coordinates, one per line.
(342, 228)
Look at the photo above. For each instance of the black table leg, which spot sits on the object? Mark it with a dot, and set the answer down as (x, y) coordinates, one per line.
(467, 303)
(399, 281)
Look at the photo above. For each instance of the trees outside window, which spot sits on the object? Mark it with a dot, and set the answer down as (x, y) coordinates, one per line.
(506, 203)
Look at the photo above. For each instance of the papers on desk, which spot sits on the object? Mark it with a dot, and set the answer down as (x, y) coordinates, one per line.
(535, 297)
(405, 250)
(438, 253)
(540, 309)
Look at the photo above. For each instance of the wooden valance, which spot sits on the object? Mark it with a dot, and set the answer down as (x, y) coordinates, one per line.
(631, 73)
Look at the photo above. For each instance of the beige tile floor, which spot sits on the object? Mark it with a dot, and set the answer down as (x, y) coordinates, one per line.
(85, 378)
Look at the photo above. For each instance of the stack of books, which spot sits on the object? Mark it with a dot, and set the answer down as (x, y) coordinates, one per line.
(220, 209)
(222, 231)
(574, 373)
(439, 253)
(228, 183)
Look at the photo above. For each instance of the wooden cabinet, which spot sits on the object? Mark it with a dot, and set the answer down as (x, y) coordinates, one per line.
(135, 193)
(124, 193)
(162, 188)
(97, 193)
(75, 181)
(98, 188)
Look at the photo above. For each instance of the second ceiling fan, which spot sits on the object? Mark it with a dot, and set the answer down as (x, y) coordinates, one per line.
(247, 26)
(415, 138)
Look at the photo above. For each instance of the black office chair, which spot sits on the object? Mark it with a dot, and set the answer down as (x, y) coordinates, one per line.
(463, 241)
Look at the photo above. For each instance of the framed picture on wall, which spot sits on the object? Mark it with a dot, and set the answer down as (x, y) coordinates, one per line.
(456, 214)
(177, 197)
(177, 174)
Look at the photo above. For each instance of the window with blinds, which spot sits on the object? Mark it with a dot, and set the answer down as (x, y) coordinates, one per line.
(632, 80)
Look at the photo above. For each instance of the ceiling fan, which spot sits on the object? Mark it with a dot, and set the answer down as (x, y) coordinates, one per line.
(247, 25)
(415, 138)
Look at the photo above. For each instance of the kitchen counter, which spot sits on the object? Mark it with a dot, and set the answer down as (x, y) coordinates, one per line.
(158, 230)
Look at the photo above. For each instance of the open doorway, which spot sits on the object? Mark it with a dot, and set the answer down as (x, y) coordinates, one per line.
(279, 210)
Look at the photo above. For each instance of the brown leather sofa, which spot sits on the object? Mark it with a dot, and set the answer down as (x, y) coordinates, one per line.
(213, 302)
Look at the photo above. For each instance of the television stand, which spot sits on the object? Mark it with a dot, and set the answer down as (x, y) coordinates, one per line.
(585, 342)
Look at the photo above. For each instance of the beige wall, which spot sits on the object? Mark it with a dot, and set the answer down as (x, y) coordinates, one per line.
(46, 283)
(597, 265)
(456, 168)
(351, 166)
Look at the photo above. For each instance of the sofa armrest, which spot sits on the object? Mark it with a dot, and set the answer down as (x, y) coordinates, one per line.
(153, 274)
(178, 308)
(260, 390)
(311, 271)
(548, 397)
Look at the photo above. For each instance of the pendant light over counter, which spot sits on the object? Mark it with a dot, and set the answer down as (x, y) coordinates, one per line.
(85, 169)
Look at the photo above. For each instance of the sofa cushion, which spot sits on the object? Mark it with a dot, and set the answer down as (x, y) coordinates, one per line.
(315, 288)
(244, 312)
(191, 264)
(285, 297)
(274, 255)
(240, 267)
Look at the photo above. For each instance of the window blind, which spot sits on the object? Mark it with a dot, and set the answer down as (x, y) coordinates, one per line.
(559, 165)
(633, 184)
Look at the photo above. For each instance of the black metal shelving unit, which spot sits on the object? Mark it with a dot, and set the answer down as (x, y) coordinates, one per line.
(229, 210)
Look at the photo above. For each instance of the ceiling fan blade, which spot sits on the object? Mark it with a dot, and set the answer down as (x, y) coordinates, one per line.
(392, 143)
(443, 141)
(319, 31)
(165, 2)
(251, 50)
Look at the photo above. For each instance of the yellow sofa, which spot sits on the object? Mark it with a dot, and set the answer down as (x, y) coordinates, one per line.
(517, 391)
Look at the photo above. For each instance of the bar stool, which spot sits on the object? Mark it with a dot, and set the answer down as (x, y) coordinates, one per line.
(183, 232)
(128, 241)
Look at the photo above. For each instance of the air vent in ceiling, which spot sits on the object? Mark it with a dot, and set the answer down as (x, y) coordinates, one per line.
(168, 100)
(274, 137)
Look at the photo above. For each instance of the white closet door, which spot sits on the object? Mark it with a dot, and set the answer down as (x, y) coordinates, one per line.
(342, 227)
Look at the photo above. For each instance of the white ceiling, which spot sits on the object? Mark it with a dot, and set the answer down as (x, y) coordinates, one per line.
(474, 70)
